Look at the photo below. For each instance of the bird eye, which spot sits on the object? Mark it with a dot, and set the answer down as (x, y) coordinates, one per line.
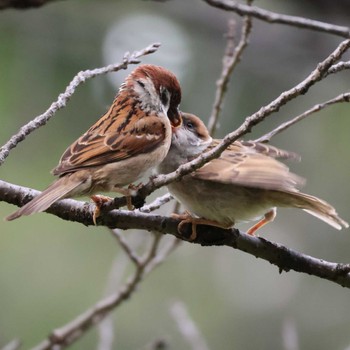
(190, 125)
(140, 83)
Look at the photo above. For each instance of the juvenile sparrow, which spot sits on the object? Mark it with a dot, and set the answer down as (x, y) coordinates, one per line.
(132, 137)
(245, 183)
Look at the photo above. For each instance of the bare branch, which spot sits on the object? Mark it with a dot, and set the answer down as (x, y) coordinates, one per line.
(64, 97)
(187, 327)
(12, 345)
(345, 97)
(126, 247)
(339, 67)
(73, 330)
(156, 204)
(285, 259)
(273, 17)
(229, 62)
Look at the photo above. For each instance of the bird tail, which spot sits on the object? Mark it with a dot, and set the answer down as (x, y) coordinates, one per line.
(318, 208)
(56, 191)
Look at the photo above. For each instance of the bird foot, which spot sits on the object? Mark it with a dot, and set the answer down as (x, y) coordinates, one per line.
(187, 218)
(99, 200)
(128, 193)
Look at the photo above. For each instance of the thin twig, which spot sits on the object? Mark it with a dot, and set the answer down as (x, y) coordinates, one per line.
(73, 330)
(64, 97)
(338, 67)
(126, 247)
(12, 345)
(273, 17)
(156, 204)
(187, 326)
(345, 97)
(230, 60)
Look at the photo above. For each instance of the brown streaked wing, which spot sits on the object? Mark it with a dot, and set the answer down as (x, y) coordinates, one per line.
(115, 138)
(239, 167)
(258, 147)
(269, 150)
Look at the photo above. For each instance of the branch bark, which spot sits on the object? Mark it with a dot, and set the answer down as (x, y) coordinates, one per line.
(273, 17)
(285, 259)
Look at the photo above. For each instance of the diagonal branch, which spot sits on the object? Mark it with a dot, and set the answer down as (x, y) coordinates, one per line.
(345, 97)
(64, 97)
(273, 17)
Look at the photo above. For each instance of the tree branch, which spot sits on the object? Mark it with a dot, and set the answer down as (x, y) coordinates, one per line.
(345, 97)
(285, 259)
(187, 326)
(273, 17)
(64, 97)
(230, 60)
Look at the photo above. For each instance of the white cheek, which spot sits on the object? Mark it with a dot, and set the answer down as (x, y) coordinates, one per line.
(164, 109)
(148, 96)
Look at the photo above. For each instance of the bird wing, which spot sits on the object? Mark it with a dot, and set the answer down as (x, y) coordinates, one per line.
(251, 167)
(120, 134)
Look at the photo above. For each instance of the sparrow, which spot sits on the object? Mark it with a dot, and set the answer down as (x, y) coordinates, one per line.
(131, 138)
(245, 183)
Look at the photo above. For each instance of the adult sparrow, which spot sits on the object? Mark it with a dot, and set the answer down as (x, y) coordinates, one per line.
(245, 183)
(132, 137)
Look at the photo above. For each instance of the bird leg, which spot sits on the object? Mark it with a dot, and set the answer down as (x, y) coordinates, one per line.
(268, 217)
(128, 193)
(187, 218)
(99, 200)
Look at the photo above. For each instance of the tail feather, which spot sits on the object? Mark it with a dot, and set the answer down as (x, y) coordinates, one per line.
(56, 191)
(320, 209)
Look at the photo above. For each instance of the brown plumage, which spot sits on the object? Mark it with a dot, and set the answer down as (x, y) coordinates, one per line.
(244, 183)
(132, 137)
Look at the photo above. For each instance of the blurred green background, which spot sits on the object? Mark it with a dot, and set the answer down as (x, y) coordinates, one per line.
(51, 270)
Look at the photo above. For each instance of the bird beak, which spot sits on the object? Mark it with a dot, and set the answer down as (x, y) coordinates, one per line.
(175, 118)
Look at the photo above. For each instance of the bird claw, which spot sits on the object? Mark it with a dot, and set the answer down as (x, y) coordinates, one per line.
(99, 200)
(187, 218)
(128, 192)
